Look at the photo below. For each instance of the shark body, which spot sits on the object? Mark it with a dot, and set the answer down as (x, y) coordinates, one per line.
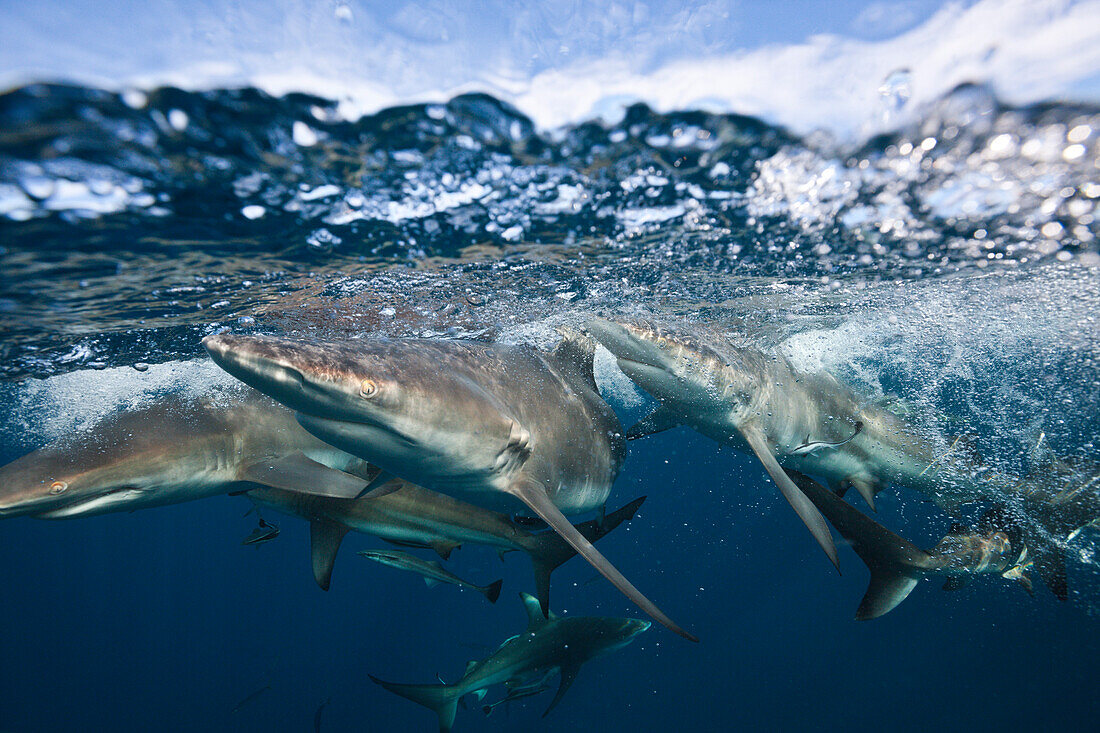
(489, 423)
(549, 644)
(179, 448)
(431, 570)
(412, 516)
(810, 423)
(897, 565)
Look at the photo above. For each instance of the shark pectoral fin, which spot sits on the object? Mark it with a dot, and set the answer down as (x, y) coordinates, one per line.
(802, 506)
(304, 475)
(886, 590)
(535, 497)
(867, 488)
(658, 421)
(956, 582)
(380, 485)
(1017, 573)
(430, 582)
(325, 537)
(568, 674)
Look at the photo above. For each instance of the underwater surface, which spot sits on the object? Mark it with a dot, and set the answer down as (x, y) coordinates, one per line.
(948, 270)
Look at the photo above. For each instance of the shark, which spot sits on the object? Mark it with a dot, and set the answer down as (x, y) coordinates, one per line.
(180, 447)
(549, 643)
(897, 565)
(411, 516)
(812, 423)
(491, 423)
(431, 570)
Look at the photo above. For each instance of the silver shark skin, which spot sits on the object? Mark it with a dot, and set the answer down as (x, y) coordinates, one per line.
(412, 516)
(897, 565)
(177, 449)
(548, 644)
(490, 423)
(759, 403)
(430, 570)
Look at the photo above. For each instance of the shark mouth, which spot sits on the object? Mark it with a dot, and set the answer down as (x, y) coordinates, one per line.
(99, 504)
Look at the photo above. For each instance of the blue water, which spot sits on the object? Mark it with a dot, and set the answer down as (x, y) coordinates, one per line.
(962, 277)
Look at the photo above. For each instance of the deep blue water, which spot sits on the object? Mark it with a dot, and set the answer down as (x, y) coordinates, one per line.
(967, 285)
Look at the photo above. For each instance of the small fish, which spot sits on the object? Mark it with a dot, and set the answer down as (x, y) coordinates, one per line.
(810, 447)
(263, 533)
(250, 698)
(432, 571)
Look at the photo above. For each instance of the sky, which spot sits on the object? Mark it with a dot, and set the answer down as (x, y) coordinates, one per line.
(800, 63)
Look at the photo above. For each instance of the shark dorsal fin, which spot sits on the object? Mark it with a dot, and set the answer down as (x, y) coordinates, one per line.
(575, 354)
(535, 618)
(469, 666)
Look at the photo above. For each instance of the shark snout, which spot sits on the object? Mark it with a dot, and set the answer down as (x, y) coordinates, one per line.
(628, 342)
(263, 363)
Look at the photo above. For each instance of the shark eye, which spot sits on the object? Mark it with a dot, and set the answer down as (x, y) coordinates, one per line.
(58, 487)
(368, 389)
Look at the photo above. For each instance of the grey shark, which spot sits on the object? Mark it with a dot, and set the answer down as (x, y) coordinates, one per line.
(489, 422)
(431, 570)
(178, 448)
(412, 516)
(811, 423)
(548, 644)
(897, 565)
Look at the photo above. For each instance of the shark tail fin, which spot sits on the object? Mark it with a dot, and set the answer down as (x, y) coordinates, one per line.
(440, 699)
(548, 550)
(892, 559)
(492, 591)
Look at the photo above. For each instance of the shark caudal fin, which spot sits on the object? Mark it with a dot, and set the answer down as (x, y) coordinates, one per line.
(441, 699)
(894, 562)
(549, 550)
(492, 591)
(534, 496)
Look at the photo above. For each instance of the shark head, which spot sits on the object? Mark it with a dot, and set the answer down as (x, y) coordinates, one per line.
(90, 473)
(409, 408)
(606, 634)
(128, 460)
(679, 372)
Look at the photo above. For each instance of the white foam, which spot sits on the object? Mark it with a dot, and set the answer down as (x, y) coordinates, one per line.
(49, 408)
(1028, 50)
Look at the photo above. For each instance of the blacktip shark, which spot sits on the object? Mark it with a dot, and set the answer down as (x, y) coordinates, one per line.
(411, 516)
(811, 423)
(178, 448)
(897, 565)
(548, 644)
(489, 422)
(431, 570)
